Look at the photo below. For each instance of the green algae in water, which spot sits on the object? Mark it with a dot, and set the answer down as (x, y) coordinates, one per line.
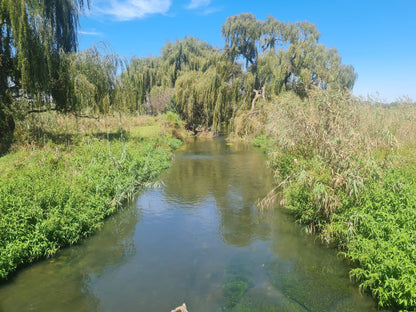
(267, 300)
(236, 282)
(233, 292)
(306, 285)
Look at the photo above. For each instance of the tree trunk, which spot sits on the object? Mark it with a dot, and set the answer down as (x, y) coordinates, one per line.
(6, 131)
(258, 94)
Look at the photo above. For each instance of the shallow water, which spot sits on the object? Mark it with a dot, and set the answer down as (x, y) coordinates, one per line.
(198, 239)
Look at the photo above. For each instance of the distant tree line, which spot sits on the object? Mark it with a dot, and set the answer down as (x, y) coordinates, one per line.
(40, 69)
(209, 86)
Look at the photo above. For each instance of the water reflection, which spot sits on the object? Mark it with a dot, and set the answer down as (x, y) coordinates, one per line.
(229, 174)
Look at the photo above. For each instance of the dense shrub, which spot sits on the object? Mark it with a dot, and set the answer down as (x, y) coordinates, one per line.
(344, 169)
(53, 196)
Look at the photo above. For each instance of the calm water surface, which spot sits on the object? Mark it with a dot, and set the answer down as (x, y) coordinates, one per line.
(197, 239)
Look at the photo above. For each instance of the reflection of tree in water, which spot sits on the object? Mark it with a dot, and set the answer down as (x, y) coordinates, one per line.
(63, 283)
(232, 174)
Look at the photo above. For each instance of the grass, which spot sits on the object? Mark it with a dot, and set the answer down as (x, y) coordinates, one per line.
(64, 176)
(346, 170)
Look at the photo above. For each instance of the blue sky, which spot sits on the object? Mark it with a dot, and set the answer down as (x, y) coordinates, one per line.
(377, 37)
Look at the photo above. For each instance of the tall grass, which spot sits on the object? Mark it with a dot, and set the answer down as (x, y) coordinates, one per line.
(345, 169)
(65, 176)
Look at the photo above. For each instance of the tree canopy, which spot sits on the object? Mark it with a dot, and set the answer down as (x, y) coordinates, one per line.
(208, 86)
(259, 59)
(284, 56)
(33, 36)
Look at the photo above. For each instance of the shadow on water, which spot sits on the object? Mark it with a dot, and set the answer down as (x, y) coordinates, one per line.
(198, 239)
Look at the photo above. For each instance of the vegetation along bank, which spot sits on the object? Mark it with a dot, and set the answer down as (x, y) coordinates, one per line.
(60, 187)
(343, 166)
(346, 170)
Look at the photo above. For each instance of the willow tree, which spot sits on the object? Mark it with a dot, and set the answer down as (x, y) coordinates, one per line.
(242, 33)
(92, 78)
(209, 99)
(33, 34)
(161, 73)
(136, 82)
(188, 54)
(283, 56)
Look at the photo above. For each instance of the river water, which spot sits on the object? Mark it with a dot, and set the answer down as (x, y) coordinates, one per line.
(198, 239)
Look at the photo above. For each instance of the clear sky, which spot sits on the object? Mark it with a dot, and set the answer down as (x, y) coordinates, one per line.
(377, 37)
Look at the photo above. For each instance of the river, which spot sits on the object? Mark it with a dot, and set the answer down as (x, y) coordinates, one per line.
(197, 239)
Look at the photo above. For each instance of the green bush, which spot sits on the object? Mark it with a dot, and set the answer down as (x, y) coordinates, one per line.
(346, 171)
(54, 196)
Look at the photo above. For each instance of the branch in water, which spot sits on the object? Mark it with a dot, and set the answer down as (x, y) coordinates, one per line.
(182, 308)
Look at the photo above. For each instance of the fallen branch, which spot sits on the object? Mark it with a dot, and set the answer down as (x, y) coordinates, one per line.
(86, 116)
(33, 111)
(182, 308)
(36, 111)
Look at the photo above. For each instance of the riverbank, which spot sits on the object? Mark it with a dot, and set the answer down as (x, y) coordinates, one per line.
(346, 170)
(64, 176)
(198, 238)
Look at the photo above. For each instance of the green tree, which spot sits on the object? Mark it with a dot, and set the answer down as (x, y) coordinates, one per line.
(92, 79)
(283, 56)
(188, 54)
(33, 35)
(242, 33)
(136, 82)
(144, 74)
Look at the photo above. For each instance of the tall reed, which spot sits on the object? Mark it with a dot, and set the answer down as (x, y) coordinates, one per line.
(332, 156)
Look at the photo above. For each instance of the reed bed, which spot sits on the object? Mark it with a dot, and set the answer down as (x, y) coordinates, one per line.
(346, 169)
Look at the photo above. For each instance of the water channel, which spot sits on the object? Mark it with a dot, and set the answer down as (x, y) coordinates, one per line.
(198, 239)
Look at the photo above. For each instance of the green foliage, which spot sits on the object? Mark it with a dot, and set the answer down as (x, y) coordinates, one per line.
(191, 78)
(189, 54)
(383, 246)
(262, 141)
(241, 33)
(142, 75)
(91, 80)
(54, 196)
(7, 125)
(203, 100)
(137, 81)
(284, 56)
(33, 35)
(345, 172)
(212, 87)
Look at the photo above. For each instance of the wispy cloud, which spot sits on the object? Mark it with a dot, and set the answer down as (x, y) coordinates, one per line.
(127, 10)
(90, 33)
(211, 10)
(196, 4)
